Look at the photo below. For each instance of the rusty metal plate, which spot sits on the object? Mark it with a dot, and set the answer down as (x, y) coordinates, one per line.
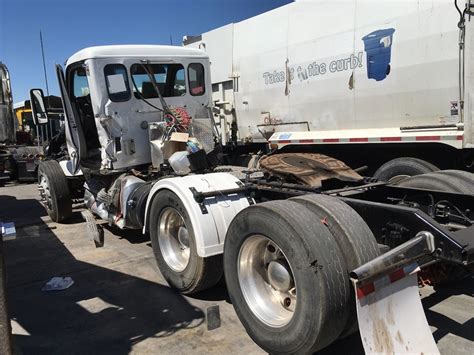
(307, 168)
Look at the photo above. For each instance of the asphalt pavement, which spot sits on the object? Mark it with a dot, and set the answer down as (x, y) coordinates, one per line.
(120, 304)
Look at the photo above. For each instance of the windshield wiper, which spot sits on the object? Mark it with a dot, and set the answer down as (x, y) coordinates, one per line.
(166, 109)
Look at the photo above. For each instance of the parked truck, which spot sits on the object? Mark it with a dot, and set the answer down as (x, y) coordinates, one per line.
(22, 140)
(387, 85)
(289, 233)
(7, 120)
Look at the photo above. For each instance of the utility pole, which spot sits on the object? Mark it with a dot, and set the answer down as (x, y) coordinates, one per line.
(47, 87)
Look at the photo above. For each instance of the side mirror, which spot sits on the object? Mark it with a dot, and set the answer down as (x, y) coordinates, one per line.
(38, 107)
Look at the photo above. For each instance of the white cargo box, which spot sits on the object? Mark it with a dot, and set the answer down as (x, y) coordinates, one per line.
(344, 65)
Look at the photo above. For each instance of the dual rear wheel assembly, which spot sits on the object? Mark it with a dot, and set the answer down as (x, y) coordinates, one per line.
(286, 266)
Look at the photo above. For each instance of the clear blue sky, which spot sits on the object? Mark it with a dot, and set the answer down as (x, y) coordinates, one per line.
(70, 25)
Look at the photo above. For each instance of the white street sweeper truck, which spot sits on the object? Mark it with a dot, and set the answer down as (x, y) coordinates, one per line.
(383, 84)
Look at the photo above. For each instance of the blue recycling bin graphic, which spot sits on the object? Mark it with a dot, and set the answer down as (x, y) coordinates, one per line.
(378, 46)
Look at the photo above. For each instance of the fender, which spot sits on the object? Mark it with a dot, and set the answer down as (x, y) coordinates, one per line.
(209, 228)
(67, 168)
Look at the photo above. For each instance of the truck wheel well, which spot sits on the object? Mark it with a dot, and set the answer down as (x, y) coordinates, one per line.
(148, 210)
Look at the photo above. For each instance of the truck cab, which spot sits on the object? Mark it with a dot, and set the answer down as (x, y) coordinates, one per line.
(110, 100)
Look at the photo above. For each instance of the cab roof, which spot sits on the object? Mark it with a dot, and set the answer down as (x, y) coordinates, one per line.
(135, 51)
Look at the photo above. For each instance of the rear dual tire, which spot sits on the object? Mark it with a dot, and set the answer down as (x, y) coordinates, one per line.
(401, 168)
(356, 242)
(310, 234)
(452, 181)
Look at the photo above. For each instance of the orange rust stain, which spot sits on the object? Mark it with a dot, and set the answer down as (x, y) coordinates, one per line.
(399, 337)
(389, 316)
(382, 341)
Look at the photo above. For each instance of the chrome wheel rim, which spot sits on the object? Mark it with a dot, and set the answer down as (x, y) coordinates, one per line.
(173, 238)
(45, 192)
(267, 281)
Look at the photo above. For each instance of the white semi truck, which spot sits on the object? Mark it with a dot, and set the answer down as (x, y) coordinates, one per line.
(289, 236)
(368, 82)
(17, 160)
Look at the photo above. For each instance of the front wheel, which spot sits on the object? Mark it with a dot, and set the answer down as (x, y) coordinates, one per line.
(54, 190)
(174, 246)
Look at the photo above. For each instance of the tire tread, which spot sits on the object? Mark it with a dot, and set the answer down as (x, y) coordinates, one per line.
(404, 166)
(60, 194)
(315, 256)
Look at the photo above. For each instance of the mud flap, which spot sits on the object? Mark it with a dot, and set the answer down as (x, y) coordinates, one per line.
(94, 230)
(390, 314)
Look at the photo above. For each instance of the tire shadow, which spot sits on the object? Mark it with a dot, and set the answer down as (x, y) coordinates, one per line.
(132, 236)
(216, 293)
(349, 345)
(75, 217)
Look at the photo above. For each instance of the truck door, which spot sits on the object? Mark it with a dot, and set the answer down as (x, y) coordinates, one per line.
(76, 144)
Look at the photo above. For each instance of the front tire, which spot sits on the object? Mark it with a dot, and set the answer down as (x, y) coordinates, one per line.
(54, 190)
(174, 246)
(286, 278)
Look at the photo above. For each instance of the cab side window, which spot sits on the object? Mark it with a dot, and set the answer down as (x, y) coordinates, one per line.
(80, 87)
(196, 79)
(179, 83)
(116, 79)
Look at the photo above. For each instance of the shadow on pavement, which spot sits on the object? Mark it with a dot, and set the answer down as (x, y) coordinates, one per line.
(105, 311)
(108, 311)
(132, 236)
(216, 293)
(443, 324)
(22, 212)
